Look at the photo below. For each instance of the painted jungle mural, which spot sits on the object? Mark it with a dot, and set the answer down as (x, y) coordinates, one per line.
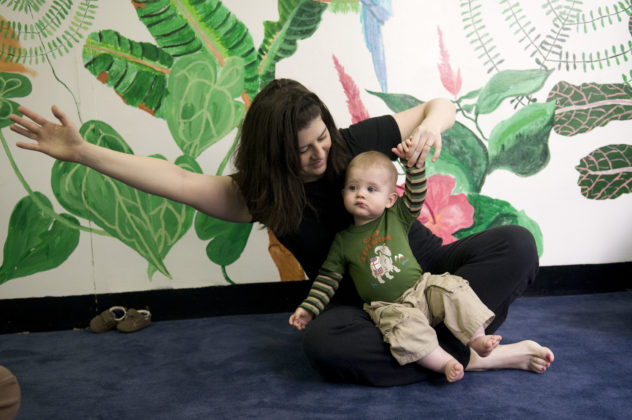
(203, 68)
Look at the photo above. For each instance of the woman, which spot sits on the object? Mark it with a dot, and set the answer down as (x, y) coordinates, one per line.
(290, 165)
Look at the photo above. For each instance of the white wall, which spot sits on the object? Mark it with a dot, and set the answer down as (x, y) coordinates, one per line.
(575, 230)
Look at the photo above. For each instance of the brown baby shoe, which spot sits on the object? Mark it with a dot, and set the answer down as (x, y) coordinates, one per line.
(134, 321)
(108, 319)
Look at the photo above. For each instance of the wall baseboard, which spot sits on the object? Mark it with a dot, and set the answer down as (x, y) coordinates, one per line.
(68, 312)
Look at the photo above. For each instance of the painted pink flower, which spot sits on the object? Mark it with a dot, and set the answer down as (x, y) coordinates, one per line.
(354, 103)
(442, 212)
(450, 81)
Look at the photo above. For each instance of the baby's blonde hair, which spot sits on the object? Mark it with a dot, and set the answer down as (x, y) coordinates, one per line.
(374, 159)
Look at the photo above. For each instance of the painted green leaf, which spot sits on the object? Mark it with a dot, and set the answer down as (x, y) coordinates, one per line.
(36, 241)
(397, 102)
(136, 70)
(12, 85)
(464, 156)
(490, 212)
(298, 19)
(521, 143)
(606, 173)
(507, 84)
(201, 109)
(150, 225)
(170, 221)
(470, 95)
(582, 108)
(188, 26)
(227, 240)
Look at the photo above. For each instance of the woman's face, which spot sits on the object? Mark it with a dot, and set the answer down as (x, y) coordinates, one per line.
(314, 143)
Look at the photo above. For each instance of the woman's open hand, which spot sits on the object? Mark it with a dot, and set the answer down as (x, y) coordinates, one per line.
(59, 141)
(415, 149)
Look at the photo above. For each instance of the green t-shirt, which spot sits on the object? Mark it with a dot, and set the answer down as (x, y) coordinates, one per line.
(377, 254)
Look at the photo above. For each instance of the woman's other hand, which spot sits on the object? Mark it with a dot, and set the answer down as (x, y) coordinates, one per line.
(59, 141)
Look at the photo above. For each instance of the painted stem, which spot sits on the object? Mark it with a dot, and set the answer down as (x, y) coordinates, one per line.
(226, 275)
(39, 36)
(37, 201)
(474, 120)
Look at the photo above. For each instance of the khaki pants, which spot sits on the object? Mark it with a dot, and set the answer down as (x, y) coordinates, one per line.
(406, 324)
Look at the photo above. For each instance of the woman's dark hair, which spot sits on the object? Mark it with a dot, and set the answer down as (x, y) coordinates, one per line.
(267, 157)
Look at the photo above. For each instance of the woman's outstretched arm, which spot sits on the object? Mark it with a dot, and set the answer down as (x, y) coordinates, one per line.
(217, 196)
(423, 125)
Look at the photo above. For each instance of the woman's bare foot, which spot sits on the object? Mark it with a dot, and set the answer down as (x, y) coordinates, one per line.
(453, 371)
(484, 344)
(523, 355)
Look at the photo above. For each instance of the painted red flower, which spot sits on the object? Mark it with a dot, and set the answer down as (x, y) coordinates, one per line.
(442, 212)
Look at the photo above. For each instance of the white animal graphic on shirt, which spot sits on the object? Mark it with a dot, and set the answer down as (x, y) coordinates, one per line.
(382, 263)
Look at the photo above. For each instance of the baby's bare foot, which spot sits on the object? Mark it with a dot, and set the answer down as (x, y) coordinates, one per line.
(484, 344)
(453, 371)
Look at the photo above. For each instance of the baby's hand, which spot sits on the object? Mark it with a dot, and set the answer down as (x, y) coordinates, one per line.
(300, 318)
(403, 149)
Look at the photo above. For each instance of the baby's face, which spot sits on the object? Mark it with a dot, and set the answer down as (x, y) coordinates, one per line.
(367, 193)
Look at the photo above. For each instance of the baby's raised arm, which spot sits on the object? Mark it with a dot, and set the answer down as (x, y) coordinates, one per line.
(217, 196)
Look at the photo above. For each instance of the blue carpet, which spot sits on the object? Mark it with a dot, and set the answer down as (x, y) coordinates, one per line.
(252, 366)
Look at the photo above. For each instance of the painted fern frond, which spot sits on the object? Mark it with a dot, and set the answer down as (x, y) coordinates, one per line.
(522, 27)
(615, 55)
(53, 34)
(627, 79)
(594, 20)
(478, 35)
(23, 5)
(563, 18)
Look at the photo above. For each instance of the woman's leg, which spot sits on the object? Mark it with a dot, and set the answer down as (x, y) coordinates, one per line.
(499, 263)
(344, 345)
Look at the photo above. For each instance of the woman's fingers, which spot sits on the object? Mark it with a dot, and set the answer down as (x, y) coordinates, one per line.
(398, 151)
(437, 151)
(416, 152)
(24, 125)
(23, 132)
(32, 115)
(424, 145)
(61, 116)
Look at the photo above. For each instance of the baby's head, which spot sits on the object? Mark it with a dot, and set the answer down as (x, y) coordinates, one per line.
(377, 162)
(369, 186)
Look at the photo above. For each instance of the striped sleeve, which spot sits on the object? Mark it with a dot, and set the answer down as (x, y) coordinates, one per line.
(323, 289)
(415, 188)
